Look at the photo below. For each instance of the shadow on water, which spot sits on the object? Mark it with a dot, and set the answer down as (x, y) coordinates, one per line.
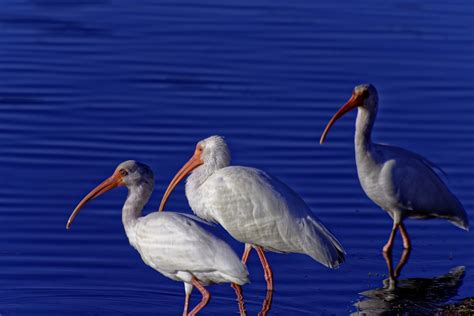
(417, 296)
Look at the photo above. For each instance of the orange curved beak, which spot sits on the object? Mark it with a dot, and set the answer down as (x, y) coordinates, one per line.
(192, 164)
(354, 101)
(114, 181)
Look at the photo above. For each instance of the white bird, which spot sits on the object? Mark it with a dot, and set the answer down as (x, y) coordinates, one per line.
(173, 244)
(254, 207)
(402, 183)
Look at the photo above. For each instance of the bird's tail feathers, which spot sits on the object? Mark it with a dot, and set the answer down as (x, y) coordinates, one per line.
(462, 223)
(329, 250)
(238, 278)
(459, 217)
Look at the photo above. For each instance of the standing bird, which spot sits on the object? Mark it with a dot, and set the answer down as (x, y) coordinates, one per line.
(171, 243)
(254, 207)
(402, 183)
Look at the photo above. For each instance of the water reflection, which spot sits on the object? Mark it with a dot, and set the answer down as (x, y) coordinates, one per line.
(409, 296)
(240, 299)
(266, 305)
(394, 274)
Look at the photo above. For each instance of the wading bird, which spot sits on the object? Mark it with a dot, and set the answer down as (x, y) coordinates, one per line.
(254, 207)
(171, 243)
(402, 183)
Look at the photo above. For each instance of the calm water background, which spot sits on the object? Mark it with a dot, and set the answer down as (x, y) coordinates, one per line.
(84, 86)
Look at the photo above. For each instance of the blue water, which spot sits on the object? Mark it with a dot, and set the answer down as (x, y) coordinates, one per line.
(85, 85)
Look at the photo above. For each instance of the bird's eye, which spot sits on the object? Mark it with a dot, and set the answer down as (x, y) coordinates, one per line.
(365, 94)
(123, 172)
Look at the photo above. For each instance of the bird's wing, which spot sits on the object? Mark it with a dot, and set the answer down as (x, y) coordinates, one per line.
(171, 242)
(401, 151)
(195, 218)
(416, 187)
(257, 208)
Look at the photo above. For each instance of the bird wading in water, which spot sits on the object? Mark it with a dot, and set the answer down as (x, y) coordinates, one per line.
(254, 207)
(402, 183)
(173, 244)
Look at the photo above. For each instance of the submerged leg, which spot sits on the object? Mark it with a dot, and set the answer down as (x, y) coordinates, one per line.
(266, 268)
(188, 288)
(389, 244)
(205, 296)
(405, 237)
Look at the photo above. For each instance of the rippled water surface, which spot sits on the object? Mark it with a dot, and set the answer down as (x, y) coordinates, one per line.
(85, 85)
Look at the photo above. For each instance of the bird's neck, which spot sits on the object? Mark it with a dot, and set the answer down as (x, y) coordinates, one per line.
(201, 174)
(195, 186)
(364, 124)
(137, 197)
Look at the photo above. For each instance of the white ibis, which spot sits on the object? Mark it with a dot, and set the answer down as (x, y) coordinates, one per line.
(171, 243)
(254, 207)
(402, 183)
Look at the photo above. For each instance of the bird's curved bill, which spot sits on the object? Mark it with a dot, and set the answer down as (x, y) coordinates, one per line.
(114, 181)
(192, 164)
(354, 101)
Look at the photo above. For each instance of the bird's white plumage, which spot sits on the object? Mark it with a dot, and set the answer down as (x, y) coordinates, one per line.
(256, 208)
(178, 247)
(173, 244)
(401, 182)
(405, 185)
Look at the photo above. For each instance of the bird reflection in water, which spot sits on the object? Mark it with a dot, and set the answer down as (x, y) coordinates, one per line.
(417, 296)
(266, 305)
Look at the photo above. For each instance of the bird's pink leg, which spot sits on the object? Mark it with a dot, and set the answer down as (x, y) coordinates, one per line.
(186, 304)
(205, 296)
(266, 268)
(389, 244)
(246, 254)
(236, 287)
(405, 237)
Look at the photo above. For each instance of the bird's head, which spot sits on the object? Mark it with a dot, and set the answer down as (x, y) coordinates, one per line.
(135, 173)
(129, 173)
(211, 153)
(214, 152)
(363, 95)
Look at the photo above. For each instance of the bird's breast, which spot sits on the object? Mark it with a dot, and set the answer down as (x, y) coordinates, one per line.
(199, 200)
(377, 182)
